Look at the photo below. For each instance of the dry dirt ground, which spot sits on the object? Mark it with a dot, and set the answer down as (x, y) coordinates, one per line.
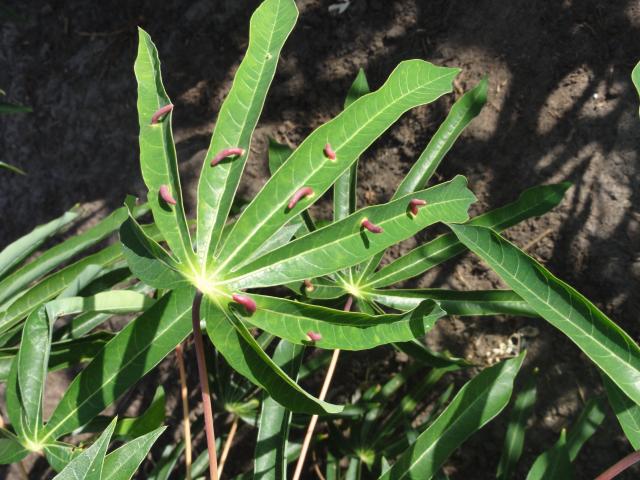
(561, 107)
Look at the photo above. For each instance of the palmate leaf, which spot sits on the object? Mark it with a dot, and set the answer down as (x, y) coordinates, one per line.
(133, 352)
(461, 303)
(479, 401)
(242, 352)
(346, 243)
(411, 84)
(31, 363)
(533, 202)
(604, 342)
(270, 26)
(158, 153)
(270, 460)
(460, 115)
(339, 329)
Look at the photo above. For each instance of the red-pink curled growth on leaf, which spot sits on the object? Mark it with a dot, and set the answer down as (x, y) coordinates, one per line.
(372, 227)
(314, 336)
(160, 113)
(165, 195)
(246, 302)
(308, 286)
(328, 152)
(415, 203)
(303, 192)
(226, 153)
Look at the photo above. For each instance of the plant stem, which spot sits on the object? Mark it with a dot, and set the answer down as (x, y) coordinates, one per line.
(620, 467)
(204, 386)
(323, 393)
(185, 411)
(228, 443)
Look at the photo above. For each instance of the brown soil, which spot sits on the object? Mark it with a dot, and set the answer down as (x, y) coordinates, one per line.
(561, 107)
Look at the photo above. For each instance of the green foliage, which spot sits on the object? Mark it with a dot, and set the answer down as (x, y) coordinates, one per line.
(53, 308)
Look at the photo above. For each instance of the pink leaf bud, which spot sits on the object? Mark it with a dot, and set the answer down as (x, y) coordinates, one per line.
(314, 336)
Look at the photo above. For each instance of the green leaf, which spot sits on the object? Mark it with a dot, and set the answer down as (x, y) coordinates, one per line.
(461, 303)
(33, 355)
(460, 115)
(52, 286)
(147, 259)
(346, 243)
(635, 77)
(344, 190)
(133, 352)
(88, 465)
(627, 412)
(11, 450)
(121, 464)
(270, 26)
(554, 463)
(16, 252)
(278, 154)
(270, 460)
(514, 438)
(411, 84)
(585, 426)
(8, 166)
(416, 350)
(242, 352)
(59, 455)
(64, 354)
(158, 152)
(9, 108)
(477, 402)
(129, 428)
(339, 329)
(533, 202)
(604, 342)
(62, 252)
(167, 462)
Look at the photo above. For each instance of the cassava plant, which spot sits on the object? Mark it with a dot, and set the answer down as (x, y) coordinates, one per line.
(219, 269)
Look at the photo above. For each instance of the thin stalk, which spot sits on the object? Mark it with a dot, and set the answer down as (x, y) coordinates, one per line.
(204, 386)
(185, 411)
(620, 467)
(228, 443)
(323, 393)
